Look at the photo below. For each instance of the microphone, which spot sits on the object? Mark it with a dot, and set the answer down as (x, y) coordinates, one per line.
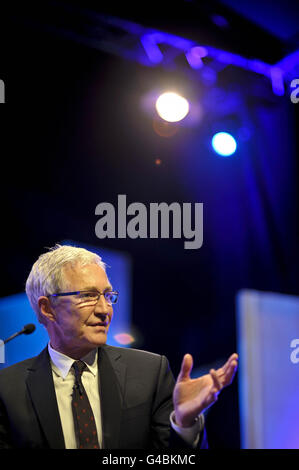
(27, 330)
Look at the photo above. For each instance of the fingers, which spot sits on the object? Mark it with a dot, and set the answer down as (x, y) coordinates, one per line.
(216, 382)
(226, 373)
(233, 360)
(215, 389)
(186, 367)
(231, 373)
(233, 357)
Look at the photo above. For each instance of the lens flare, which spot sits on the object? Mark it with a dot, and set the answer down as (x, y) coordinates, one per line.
(124, 338)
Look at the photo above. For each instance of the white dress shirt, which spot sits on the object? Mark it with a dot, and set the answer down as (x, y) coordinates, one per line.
(64, 379)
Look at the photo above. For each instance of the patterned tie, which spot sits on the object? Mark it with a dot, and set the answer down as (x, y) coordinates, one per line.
(85, 427)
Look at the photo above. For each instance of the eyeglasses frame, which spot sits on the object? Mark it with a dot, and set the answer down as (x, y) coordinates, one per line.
(65, 294)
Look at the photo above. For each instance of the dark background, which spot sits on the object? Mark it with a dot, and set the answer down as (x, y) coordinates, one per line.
(73, 134)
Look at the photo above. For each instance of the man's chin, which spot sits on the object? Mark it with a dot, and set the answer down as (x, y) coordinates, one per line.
(98, 339)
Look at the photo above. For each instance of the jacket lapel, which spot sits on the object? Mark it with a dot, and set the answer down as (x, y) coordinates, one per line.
(42, 392)
(41, 389)
(112, 379)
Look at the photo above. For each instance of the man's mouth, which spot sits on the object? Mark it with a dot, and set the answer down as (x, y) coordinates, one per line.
(103, 324)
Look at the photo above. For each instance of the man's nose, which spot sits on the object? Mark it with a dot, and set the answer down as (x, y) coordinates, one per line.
(102, 306)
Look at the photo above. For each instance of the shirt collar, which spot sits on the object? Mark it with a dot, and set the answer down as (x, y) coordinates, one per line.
(61, 363)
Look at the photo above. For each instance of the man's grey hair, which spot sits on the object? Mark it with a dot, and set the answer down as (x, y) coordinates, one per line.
(46, 277)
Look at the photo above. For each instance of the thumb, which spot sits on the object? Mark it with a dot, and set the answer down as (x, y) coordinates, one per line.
(186, 367)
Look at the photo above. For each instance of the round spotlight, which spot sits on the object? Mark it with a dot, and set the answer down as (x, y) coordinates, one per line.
(224, 144)
(172, 107)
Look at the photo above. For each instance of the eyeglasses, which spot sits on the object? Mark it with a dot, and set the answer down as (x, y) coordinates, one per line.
(89, 297)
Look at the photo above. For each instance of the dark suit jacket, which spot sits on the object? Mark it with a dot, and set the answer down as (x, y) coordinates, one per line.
(136, 401)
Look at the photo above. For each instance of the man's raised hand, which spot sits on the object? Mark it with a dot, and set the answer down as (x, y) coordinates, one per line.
(193, 396)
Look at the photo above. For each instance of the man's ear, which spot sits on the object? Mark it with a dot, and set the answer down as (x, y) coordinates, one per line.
(46, 309)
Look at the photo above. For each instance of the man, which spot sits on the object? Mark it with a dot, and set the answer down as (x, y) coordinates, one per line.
(80, 392)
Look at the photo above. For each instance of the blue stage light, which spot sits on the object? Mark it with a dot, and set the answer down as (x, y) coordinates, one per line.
(224, 144)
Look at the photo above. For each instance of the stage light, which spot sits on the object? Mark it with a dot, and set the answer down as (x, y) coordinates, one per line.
(224, 144)
(172, 107)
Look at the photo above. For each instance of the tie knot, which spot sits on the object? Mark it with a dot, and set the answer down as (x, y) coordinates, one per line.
(79, 367)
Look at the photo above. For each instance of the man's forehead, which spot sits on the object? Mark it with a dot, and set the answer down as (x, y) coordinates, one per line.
(89, 274)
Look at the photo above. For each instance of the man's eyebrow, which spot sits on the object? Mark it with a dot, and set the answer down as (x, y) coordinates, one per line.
(93, 288)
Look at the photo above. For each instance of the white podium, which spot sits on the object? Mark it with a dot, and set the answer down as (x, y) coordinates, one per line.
(268, 377)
